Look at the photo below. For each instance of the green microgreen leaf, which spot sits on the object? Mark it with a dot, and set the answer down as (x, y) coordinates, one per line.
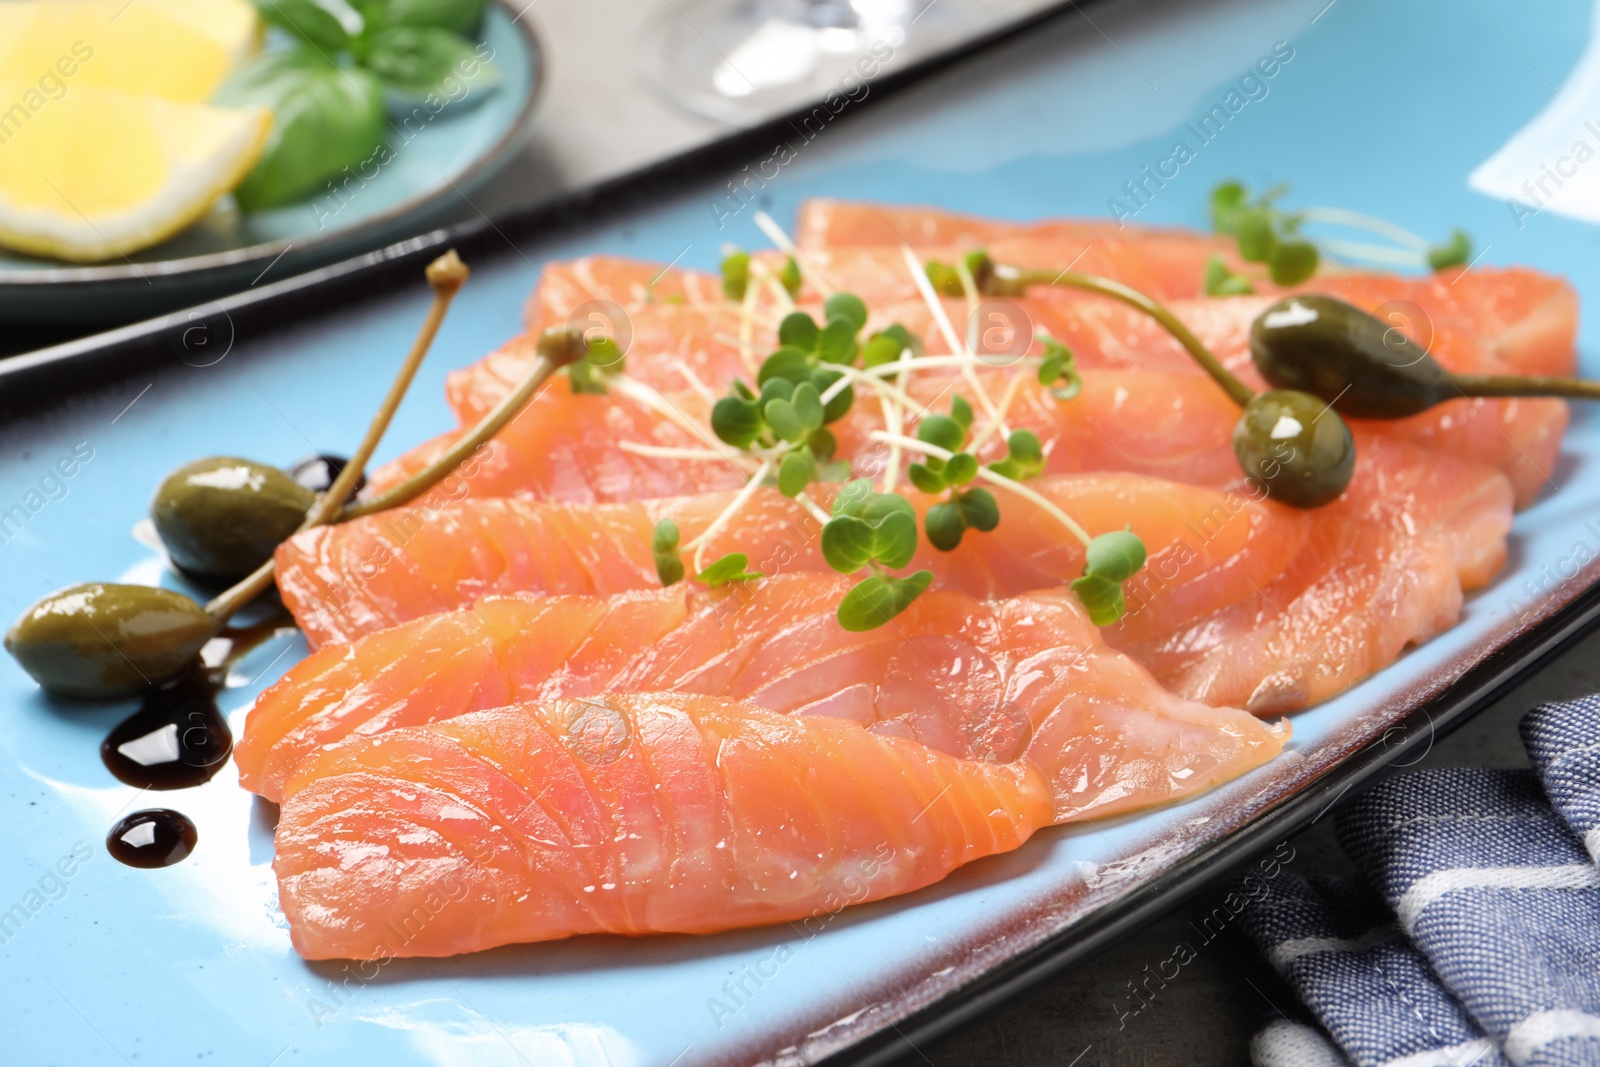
(794, 419)
(876, 600)
(1292, 262)
(1220, 281)
(890, 519)
(796, 471)
(736, 274)
(798, 330)
(961, 411)
(925, 478)
(822, 444)
(944, 524)
(789, 277)
(847, 543)
(879, 350)
(741, 389)
(979, 509)
(841, 401)
(1116, 556)
(941, 431)
(1102, 597)
(736, 421)
(961, 468)
(945, 280)
(1024, 457)
(847, 306)
(787, 362)
(837, 470)
(1256, 236)
(1058, 369)
(1453, 253)
(1227, 200)
(664, 545)
(837, 344)
(730, 568)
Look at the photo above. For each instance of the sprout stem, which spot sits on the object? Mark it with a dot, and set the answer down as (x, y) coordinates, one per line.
(1516, 385)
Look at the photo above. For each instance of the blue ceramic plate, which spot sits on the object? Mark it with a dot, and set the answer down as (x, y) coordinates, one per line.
(193, 964)
(436, 157)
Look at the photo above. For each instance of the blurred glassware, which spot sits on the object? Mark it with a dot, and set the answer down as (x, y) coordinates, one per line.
(745, 61)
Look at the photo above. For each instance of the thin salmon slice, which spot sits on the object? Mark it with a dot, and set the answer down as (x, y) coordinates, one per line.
(343, 581)
(629, 815)
(1027, 676)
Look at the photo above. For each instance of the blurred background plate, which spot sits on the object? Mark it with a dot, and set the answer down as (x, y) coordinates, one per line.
(432, 168)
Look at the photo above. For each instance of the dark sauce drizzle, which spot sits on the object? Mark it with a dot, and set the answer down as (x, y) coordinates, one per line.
(177, 739)
(156, 837)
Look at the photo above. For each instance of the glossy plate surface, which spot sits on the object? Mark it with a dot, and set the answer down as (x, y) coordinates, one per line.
(193, 963)
(437, 152)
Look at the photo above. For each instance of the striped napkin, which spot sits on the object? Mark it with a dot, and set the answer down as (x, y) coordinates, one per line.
(1481, 944)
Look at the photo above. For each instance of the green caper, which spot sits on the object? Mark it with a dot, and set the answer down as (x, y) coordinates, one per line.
(1296, 447)
(100, 640)
(222, 517)
(1361, 365)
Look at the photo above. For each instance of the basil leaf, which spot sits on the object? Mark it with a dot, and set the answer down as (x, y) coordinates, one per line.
(420, 60)
(331, 25)
(325, 118)
(458, 16)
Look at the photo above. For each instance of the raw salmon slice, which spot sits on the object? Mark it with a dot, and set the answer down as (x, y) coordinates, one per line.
(988, 680)
(632, 815)
(343, 581)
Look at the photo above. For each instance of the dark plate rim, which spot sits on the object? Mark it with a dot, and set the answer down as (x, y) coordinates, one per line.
(488, 160)
(49, 378)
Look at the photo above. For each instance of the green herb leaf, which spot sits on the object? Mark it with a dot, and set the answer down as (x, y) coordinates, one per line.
(1058, 369)
(730, 568)
(798, 330)
(945, 280)
(847, 543)
(664, 545)
(460, 16)
(325, 118)
(945, 525)
(1102, 597)
(1220, 281)
(423, 60)
(961, 411)
(847, 306)
(789, 277)
(796, 471)
(736, 274)
(331, 25)
(789, 363)
(1292, 262)
(837, 470)
(876, 600)
(835, 408)
(925, 478)
(961, 468)
(889, 516)
(837, 344)
(822, 444)
(1024, 457)
(1256, 237)
(1453, 253)
(880, 350)
(941, 431)
(736, 421)
(794, 419)
(1227, 200)
(1115, 556)
(979, 509)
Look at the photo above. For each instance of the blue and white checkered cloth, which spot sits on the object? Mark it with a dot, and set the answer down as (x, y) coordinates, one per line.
(1482, 943)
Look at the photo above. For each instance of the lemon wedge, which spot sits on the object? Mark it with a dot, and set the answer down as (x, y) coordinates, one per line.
(99, 173)
(174, 49)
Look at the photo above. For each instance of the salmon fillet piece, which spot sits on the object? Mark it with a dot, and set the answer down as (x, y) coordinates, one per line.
(629, 815)
(1024, 677)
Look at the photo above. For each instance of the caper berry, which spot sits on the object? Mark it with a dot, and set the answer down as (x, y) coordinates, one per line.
(1296, 447)
(1361, 365)
(100, 640)
(222, 517)
(317, 472)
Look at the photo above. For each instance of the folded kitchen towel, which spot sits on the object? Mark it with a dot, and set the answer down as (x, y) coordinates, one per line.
(1479, 942)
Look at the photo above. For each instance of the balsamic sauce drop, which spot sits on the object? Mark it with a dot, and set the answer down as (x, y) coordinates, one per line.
(156, 837)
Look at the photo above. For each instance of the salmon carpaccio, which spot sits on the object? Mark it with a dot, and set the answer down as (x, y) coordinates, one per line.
(1022, 677)
(631, 814)
(1225, 570)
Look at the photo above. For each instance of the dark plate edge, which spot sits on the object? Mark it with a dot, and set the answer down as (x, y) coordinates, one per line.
(1204, 868)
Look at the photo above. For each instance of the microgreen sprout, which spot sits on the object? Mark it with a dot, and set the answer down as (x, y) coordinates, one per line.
(1455, 252)
(877, 532)
(664, 544)
(1220, 281)
(1110, 560)
(1265, 234)
(735, 273)
(591, 359)
(1058, 369)
(1024, 457)
(964, 508)
(734, 567)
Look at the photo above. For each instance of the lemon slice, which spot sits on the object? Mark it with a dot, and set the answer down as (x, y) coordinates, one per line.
(174, 49)
(98, 174)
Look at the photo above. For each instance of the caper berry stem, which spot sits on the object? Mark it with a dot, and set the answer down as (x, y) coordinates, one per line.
(446, 275)
(1517, 385)
(1239, 392)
